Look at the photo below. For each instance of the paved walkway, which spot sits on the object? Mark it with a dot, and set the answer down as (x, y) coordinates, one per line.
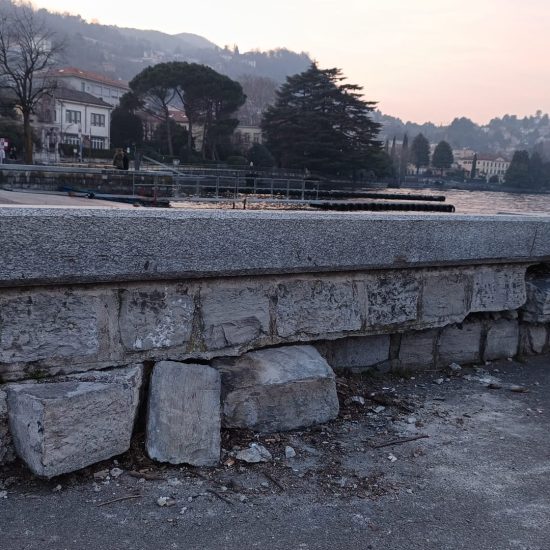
(481, 480)
(18, 198)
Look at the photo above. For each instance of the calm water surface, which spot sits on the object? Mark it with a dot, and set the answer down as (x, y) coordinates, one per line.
(484, 202)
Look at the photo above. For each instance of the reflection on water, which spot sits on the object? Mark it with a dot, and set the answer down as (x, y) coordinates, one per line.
(484, 202)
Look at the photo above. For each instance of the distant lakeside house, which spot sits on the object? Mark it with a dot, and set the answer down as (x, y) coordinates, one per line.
(487, 167)
(77, 113)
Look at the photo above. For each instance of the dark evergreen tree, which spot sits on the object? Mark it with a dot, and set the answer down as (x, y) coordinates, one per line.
(443, 158)
(420, 152)
(404, 158)
(156, 88)
(126, 126)
(473, 172)
(322, 124)
(518, 174)
(538, 173)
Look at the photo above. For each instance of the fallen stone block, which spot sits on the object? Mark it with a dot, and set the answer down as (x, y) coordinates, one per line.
(502, 340)
(356, 352)
(7, 452)
(534, 339)
(61, 427)
(460, 344)
(183, 418)
(417, 349)
(277, 389)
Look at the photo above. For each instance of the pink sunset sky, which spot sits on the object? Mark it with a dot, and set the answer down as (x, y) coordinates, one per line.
(420, 59)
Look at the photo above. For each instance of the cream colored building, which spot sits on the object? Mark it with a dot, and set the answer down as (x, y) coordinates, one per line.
(486, 167)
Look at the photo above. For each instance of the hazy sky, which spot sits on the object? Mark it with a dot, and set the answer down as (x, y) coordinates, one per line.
(421, 59)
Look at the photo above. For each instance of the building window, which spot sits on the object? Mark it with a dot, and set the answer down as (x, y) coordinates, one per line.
(71, 140)
(256, 138)
(98, 120)
(72, 117)
(83, 86)
(98, 143)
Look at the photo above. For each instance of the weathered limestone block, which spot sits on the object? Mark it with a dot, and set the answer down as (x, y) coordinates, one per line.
(460, 344)
(7, 452)
(130, 378)
(392, 299)
(277, 389)
(498, 288)
(36, 325)
(183, 418)
(317, 307)
(502, 340)
(417, 349)
(537, 306)
(61, 427)
(534, 339)
(234, 314)
(156, 318)
(356, 352)
(445, 298)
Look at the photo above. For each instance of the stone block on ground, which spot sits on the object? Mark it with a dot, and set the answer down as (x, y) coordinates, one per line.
(277, 389)
(356, 352)
(460, 344)
(502, 340)
(534, 339)
(417, 349)
(61, 427)
(7, 452)
(183, 417)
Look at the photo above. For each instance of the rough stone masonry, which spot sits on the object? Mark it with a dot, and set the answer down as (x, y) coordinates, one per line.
(245, 329)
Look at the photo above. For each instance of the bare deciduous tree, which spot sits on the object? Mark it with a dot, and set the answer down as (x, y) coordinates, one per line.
(28, 50)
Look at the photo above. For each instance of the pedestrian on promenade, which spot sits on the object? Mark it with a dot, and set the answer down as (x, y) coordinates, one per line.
(118, 159)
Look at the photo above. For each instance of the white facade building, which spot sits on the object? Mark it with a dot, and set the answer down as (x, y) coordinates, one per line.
(74, 118)
(104, 88)
(486, 167)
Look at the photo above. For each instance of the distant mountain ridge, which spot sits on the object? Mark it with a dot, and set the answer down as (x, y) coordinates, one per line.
(121, 53)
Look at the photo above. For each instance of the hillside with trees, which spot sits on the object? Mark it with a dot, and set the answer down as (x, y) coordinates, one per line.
(501, 136)
(121, 53)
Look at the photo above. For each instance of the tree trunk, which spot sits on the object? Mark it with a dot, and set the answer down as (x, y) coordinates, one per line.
(169, 134)
(189, 136)
(27, 132)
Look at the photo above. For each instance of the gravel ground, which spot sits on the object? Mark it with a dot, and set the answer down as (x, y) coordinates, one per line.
(455, 460)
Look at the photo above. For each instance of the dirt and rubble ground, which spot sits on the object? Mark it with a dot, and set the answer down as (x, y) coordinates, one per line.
(452, 460)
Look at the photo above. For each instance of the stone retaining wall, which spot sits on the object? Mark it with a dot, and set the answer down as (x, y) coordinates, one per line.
(251, 344)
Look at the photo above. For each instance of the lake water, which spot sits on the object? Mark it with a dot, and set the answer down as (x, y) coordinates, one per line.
(484, 202)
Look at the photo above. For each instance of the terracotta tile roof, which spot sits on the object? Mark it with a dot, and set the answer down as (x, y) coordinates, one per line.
(88, 75)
